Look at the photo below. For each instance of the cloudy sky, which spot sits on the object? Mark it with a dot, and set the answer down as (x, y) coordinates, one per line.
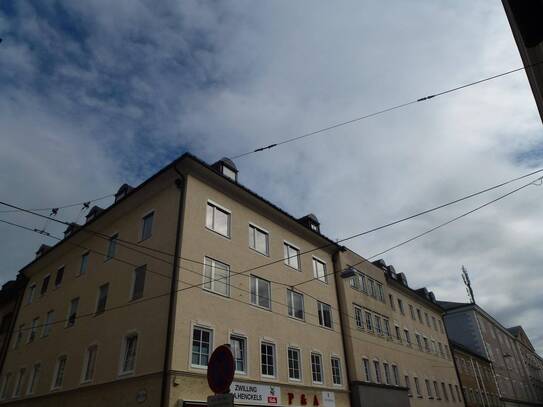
(97, 93)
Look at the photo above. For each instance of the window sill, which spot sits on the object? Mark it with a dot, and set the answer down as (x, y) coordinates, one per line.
(327, 327)
(259, 252)
(84, 382)
(292, 268)
(219, 234)
(126, 374)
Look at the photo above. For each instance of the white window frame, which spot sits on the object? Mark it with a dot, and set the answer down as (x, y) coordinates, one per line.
(145, 216)
(290, 304)
(359, 317)
(84, 255)
(113, 237)
(31, 385)
(224, 210)
(318, 356)
(133, 285)
(98, 299)
(287, 257)
(46, 329)
(211, 338)
(56, 371)
(256, 295)
(386, 370)
(324, 278)
(63, 268)
(320, 309)
(122, 372)
(377, 371)
(32, 333)
(18, 385)
(245, 351)
(259, 229)
(340, 373)
(212, 279)
(86, 361)
(298, 351)
(48, 284)
(366, 369)
(31, 293)
(68, 324)
(395, 374)
(274, 347)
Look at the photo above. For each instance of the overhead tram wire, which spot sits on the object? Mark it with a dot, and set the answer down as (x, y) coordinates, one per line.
(91, 314)
(383, 111)
(146, 250)
(61, 207)
(292, 286)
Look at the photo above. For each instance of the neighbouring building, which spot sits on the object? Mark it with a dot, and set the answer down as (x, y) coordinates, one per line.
(476, 377)
(127, 308)
(471, 326)
(525, 20)
(395, 342)
(10, 300)
(532, 361)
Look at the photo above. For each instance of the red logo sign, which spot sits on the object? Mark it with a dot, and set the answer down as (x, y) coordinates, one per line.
(272, 400)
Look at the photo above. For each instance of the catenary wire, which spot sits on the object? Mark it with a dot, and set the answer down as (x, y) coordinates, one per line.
(62, 207)
(383, 111)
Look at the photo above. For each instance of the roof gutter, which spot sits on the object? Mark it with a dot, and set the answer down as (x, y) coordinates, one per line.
(165, 391)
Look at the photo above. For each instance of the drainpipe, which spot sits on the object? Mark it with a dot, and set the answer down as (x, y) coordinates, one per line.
(335, 259)
(165, 391)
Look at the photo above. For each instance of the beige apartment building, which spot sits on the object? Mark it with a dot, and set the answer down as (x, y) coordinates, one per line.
(127, 308)
(396, 345)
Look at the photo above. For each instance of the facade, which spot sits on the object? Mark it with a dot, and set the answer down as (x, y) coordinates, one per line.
(10, 300)
(471, 326)
(476, 377)
(532, 361)
(395, 342)
(525, 20)
(127, 308)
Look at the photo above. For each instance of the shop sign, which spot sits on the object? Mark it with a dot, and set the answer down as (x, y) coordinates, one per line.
(249, 393)
(328, 399)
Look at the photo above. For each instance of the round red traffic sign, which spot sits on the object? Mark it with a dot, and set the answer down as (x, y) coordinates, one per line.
(220, 370)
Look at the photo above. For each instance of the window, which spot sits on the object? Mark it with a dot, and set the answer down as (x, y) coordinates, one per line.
(30, 294)
(33, 329)
(427, 319)
(295, 304)
(400, 306)
(89, 363)
(59, 372)
(451, 392)
(378, 327)
(426, 344)
(138, 283)
(218, 219)
(440, 326)
(408, 385)
(58, 277)
(260, 292)
(386, 327)
(419, 342)
(458, 393)
(387, 372)
(147, 226)
(267, 359)
(412, 312)
(84, 263)
(319, 270)
(336, 370)
(434, 347)
(396, 375)
(440, 349)
(34, 378)
(45, 284)
(417, 386)
(436, 388)
(428, 388)
(238, 344)
(419, 315)
(112, 246)
(398, 334)
(325, 315)
(380, 292)
(129, 353)
(369, 324)
(316, 367)
(407, 336)
(102, 298)
(216, 276)
(434, 322)
(201, 345)
(367, 370)
(444, 391)
(391, 300)
(371, 287)
(259, 240)
(359, 319)
(72, 312)
(292, 256)
(19, 383)
(48, 322)
(294, 371)
(5, 385)
(363, 284)
(377, 368)
(19, 336)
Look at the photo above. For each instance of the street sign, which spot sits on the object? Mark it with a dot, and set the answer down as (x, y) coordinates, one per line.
(220, 370)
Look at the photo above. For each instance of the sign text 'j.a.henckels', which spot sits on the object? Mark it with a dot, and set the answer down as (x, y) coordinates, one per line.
(248, 393)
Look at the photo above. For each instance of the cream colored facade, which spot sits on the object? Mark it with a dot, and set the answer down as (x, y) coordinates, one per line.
(143, 354)
(397, 349)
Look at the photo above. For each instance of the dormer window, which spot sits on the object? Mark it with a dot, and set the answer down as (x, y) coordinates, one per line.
(314, 227)
(311, 222)
(228, 173)
(227, 168)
